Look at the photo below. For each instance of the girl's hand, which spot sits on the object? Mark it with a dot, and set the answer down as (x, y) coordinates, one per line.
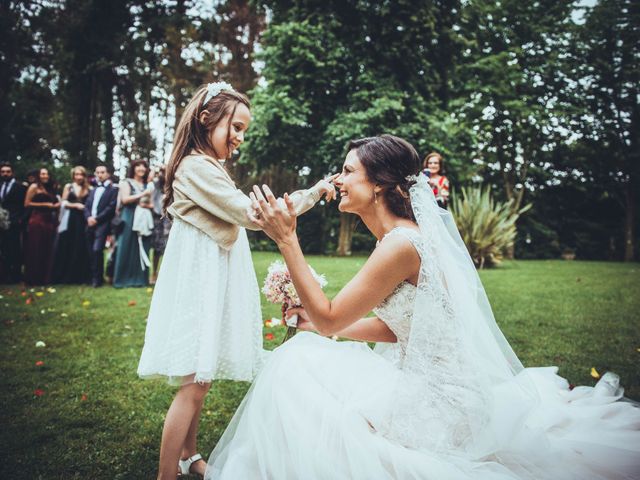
(277, 222)
(327, 188)
(303, 320)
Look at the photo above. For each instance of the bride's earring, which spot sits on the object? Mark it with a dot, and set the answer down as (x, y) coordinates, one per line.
(375, 197)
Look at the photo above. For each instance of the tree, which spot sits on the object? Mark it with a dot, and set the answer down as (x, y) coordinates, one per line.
(505, 86)
(84, 79)
(338, 71)
(607, 66)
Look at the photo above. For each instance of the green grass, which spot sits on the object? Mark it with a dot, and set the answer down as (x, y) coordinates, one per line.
(575, 315)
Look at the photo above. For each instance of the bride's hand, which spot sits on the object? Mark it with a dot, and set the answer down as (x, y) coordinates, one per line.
(303, 319)
(277, 222)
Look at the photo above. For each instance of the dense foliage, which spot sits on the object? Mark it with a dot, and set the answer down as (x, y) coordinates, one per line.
(537, 101)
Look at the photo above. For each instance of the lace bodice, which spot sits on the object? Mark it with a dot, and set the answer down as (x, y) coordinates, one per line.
(397, 309)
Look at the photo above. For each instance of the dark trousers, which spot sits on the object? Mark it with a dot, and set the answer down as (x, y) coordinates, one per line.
(95, 245)
(11, 254)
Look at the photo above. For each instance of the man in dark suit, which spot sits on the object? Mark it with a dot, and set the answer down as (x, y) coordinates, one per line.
(12, 194)
(99, 209)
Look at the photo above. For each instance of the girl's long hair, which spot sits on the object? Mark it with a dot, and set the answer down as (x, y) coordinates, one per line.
(192, 134)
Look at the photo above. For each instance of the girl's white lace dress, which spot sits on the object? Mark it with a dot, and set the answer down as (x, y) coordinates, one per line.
(322, 409)
(205, 321)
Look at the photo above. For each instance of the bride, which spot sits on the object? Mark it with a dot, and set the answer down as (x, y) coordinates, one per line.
(442, 395)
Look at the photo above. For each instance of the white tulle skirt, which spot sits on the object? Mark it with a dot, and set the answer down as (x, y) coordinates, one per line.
(312, 411)
(205, 321)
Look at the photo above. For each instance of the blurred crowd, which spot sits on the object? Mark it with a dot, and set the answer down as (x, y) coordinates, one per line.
(53, 233)
(58, 234)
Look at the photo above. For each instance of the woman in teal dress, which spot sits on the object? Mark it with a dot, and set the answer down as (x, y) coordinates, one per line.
(132, 268)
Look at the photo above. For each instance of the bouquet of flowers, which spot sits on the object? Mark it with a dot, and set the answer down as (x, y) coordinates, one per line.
(278, 288)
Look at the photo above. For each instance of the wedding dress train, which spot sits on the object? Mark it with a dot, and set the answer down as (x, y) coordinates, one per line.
(448, 400)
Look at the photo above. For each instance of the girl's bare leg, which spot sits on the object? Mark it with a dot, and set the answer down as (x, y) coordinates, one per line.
(189, 449)
(177, 424)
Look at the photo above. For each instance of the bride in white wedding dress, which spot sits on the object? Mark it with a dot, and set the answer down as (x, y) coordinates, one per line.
(442, 395)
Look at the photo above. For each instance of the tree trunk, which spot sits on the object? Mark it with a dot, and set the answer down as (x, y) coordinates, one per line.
(629, 222)
(109, 140)
(347, 226)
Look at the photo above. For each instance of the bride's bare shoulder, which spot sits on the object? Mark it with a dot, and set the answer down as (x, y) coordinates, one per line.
(398, 249)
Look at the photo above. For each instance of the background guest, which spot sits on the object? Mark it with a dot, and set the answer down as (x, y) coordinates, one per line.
(433, 167)
(99, 210)
(71, 257)
(12, 194)
(41, 229)
(161, 223)
(130, 269)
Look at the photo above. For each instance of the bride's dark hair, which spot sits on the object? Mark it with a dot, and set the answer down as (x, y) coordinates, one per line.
(388, 160)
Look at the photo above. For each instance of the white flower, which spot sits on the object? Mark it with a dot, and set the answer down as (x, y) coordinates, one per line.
(214, 89)
(40, 344)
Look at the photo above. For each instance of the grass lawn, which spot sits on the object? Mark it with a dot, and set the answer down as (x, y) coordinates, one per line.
(95, 419)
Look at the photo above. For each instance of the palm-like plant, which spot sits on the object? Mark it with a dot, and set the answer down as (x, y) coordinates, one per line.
(487, 227)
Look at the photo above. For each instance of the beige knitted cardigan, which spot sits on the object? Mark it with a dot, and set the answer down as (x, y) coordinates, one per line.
(205, 196)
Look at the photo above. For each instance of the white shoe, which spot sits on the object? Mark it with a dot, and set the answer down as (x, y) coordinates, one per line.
(185, 465)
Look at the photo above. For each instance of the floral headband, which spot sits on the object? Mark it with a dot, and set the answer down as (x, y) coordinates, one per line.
(214, 89)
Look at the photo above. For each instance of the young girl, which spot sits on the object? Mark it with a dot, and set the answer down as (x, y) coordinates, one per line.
(205, 321)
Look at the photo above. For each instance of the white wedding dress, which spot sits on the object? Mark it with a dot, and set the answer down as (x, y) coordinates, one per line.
(431, 406)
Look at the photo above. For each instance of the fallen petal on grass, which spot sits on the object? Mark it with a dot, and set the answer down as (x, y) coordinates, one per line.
(40, 344)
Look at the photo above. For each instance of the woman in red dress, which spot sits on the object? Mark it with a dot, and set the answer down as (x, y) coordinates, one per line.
(41, 229)
(433, 168)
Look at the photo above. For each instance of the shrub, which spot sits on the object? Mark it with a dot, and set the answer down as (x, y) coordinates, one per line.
(487, 227)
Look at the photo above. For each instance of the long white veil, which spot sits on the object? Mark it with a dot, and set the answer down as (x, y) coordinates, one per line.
(459, 368)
